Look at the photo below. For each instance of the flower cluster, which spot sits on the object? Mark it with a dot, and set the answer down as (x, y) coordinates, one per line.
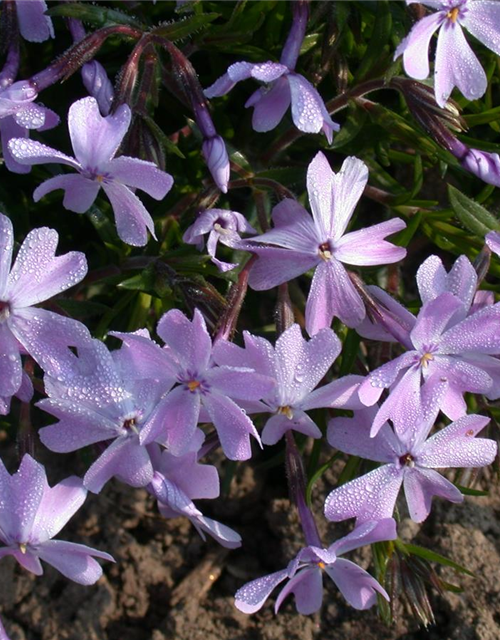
(182, 384)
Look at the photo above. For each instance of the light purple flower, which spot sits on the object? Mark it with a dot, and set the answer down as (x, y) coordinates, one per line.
(96, 81)
(482, 164)
(299, 243)
(456, 65)
(215, 154)
(37, 275)
(304, 574)
(451, 338)
(32, 513)
(221, 225)
(24, 393)
(177, 481)
(297, 366)
(97, 400)
(284, 87)
(33, 24)
(95, 141)
(204, 392)
(410, 459)
(3, 633)
(18, 114)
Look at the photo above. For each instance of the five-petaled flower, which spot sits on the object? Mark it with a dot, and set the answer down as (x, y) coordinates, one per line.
(456, 65)
(95, 141)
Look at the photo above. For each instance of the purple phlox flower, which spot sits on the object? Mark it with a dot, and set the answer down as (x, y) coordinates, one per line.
(201, 385)
(410, 459)
(455, 65)
(396, 322)
(97, 400)
(283, 86)
(221, 225)
(482, 164)
(299, 242)
(96, 81)
(18, 114)
(443, 341)
(32, 513)
(297, 366)
(177, 481)
(95, 141)
(215, 154)
(305, 574)
(34, 25)
(36, 275)
(3, 633)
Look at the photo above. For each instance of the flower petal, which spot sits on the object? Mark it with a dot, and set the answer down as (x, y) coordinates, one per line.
(307, 114)
(79, 192)
(320, 183)
(349, 184)
(367, 247)
(131, 216)
(369, 497)
(6, 246)
(293, 229)
(32, 152)
(457, 446)
(96, 139)
(457, 65)
(251, 597)
(140, 174)
(10, 362)
(271, 106)
(73, 560)
(332, 294)
(477, 333)
(189, 341)
(415, 47)
(33, 24)
(365, 534)
(58, 505)
(38, 274)
(307, 587)
(9, 129)
(421, 485)
(482, 19)
(357, 586)
(276, 266)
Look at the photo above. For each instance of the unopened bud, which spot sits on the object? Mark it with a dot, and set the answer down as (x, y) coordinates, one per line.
(97, 83)
(214, 151)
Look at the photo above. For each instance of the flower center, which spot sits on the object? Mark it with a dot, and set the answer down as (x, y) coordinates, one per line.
(22, 547)
(425, 359)
(192, 385)
(325, 251)
(286, 411)
(321, 565)
(407, 460)
(453, 14)
(4, 310)
(131, 424)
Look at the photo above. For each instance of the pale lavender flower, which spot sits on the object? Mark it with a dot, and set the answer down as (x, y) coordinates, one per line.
(299, 243)
(32, 513)
(34, 25)
(297, 366)
(456, 65)
(177, 481)
(97, 400)
(18, 114)
(96, 81)
(222, 226)
(482, 164)
(215, 154)
(37, 275)
(204, 391)
(304, 574)
(95, 141)
(24, 393)
(410, 459)
(452, 338)
(284, 87)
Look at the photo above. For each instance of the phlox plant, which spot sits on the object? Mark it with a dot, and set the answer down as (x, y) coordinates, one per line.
(307, 290)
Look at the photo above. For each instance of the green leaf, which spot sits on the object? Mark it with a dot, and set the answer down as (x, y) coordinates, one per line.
(472, 215)
(350, 350)
(82, 309)
(177, 30)
(403, 238)
(317, 475)
(471, 492)
(380, 35)
(432, 556)
(162, 138)
(93, 14)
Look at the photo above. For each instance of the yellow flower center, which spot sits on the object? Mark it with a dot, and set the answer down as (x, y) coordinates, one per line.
(193, 385)
(99, 178)
(286, 411)
(324, 251)
(321, 565)
(22, 547)
(425, 359)
(453, 14)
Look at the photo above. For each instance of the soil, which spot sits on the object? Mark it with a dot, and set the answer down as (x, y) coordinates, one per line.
(167, 584)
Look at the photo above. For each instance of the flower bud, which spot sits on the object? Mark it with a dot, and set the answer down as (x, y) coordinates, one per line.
(214, 151)
(97, 83)
(485, 166)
